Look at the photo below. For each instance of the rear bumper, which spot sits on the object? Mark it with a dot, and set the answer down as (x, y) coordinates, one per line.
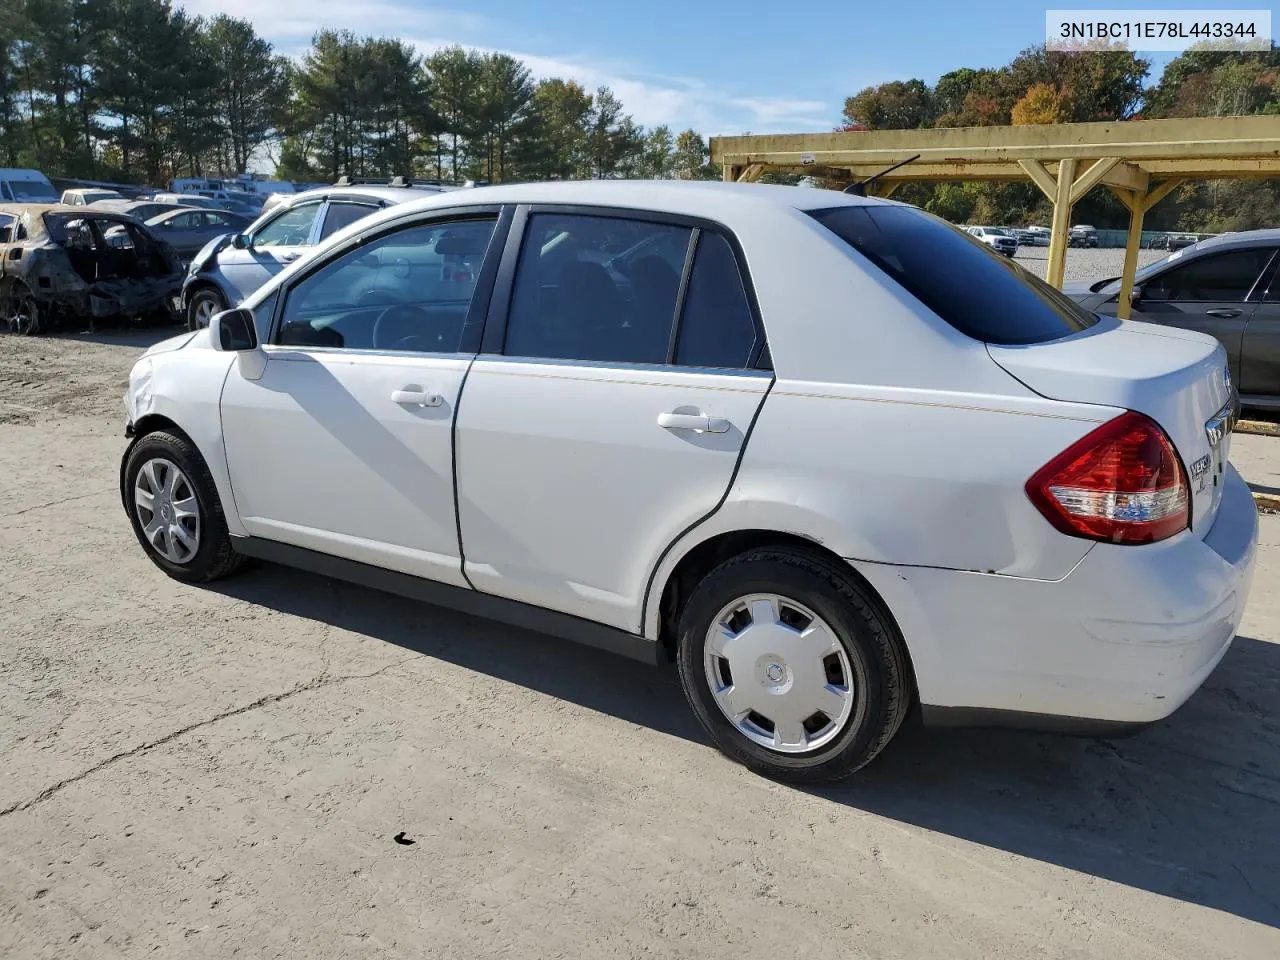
(1125, 638)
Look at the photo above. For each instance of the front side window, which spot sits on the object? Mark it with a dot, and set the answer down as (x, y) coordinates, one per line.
(341, 215)
(596, 288)
(292, 228)
(1222, 277)
(186, 221)
(409, 290)
(983, 294)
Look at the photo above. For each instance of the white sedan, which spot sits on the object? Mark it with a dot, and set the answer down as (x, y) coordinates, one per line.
(827, 453)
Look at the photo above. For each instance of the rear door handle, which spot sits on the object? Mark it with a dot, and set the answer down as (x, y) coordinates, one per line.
(418, 398)
(693, 421)
(1224, 313)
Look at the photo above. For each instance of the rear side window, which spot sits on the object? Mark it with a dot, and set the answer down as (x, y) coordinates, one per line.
(596, 288)
(716, 329)
(981, 293)
(1222, 277)
(342, 215)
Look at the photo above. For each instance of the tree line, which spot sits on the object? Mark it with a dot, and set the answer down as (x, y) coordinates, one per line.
(139, 91)
(1047, 86)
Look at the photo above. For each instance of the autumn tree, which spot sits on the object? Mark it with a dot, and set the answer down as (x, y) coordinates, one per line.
(1042, 103)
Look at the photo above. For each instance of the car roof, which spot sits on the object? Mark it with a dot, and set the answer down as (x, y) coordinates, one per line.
(1269, 237)
(381, 192)
(722, 202)
(36, 212)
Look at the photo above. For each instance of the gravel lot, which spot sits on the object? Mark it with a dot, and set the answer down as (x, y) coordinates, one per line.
(221, 772)
(1084, 264)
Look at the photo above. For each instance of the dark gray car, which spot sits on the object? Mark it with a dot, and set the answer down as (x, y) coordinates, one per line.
(188, 230)
(1227, 286)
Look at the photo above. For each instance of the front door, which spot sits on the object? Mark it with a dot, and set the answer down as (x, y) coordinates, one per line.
(1209, 294)
(1260, 355)
(272, 246)
(344, 445)
(594, 430)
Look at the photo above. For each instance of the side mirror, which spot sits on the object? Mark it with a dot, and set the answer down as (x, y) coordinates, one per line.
(241, 241)
(1136, 296)
(233, 331)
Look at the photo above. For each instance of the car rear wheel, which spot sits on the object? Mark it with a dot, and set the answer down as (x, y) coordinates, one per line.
(202, 306)
(174, 508)
(791, 666)
(21, 311)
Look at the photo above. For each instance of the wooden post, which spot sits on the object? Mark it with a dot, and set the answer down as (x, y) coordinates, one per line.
(1134, 201)
(1057, 267)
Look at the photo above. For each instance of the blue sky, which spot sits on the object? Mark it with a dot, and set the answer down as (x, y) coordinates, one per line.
(720, 67)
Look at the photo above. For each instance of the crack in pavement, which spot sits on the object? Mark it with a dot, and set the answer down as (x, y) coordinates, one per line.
(55, 503)
(315, 683)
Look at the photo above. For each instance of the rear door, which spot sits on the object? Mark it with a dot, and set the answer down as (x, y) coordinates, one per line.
(1260, 354)
(608, 409)
(1209, 294)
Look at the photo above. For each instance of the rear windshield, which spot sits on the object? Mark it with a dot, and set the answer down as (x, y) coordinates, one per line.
(983, 294)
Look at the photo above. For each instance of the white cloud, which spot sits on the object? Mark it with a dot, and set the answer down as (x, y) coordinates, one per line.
(290, 24)
(651, 99)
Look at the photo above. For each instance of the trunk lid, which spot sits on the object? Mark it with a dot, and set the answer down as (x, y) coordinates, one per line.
(1178, 378)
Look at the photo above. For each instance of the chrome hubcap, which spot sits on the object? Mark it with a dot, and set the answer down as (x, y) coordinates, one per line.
(778, 673)
(167, 510)
(204, 311)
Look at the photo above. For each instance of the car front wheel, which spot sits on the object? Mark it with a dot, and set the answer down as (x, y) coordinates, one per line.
(791, 666)
(202, 306)
(174, 508)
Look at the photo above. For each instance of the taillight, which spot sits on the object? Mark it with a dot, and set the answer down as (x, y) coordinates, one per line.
(1122, 483)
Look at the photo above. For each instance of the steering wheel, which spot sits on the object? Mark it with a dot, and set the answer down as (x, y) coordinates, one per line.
(389, 330)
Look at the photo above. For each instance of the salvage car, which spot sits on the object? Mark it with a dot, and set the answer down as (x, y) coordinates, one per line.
(230, 268)
(57, 263)
(837, 459)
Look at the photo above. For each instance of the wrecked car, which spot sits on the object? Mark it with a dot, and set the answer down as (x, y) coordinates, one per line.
(75, 264)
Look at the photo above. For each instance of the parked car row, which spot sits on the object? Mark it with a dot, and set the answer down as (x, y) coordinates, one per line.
(997, 237)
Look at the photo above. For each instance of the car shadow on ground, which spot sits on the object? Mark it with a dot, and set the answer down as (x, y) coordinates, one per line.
(140, 337)
(1188, 809)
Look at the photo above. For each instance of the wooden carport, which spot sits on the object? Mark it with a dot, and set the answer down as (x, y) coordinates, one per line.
(1140, 161)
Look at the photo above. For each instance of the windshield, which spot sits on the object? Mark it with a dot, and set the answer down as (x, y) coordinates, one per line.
(982, 294)
(29, 190)
(998, 231)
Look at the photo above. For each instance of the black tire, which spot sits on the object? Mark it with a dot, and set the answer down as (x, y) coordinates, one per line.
(868, 635)
(214, 556)
(200, 297)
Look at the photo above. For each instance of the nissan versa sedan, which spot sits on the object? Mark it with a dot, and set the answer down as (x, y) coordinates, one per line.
(837, 459)
(1227, 286)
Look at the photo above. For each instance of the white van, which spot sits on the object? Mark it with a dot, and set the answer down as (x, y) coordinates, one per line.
(25, 186)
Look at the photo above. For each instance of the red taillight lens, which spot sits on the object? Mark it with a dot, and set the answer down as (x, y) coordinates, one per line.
(1123, 483)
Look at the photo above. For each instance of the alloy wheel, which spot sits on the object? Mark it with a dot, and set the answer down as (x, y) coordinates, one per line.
(167, 510)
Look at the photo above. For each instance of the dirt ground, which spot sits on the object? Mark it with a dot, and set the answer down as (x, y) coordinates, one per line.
(223, 772)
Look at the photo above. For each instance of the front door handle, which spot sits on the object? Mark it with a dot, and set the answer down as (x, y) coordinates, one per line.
(693, 421)
(417, 398)
(1224, 313)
